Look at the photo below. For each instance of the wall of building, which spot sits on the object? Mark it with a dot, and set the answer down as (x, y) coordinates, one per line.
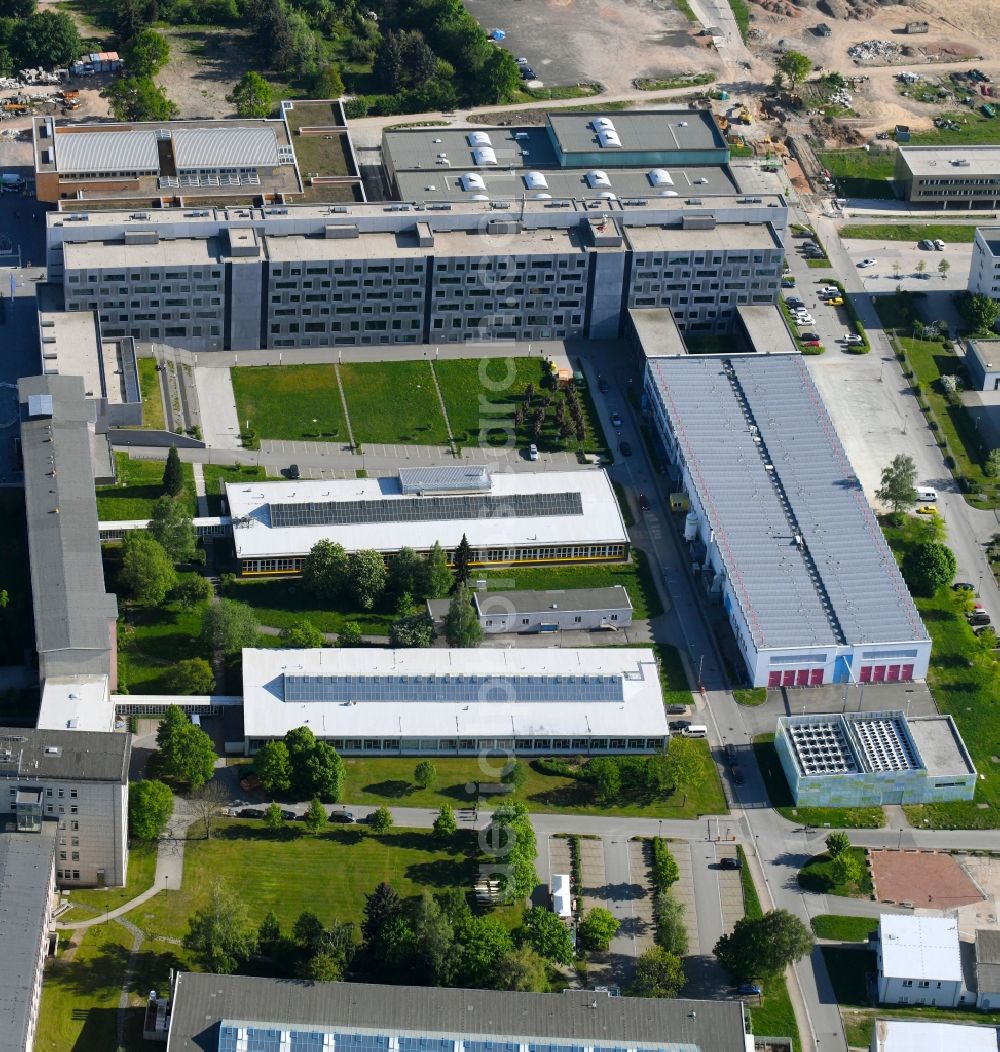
(495, 619)
(950, 185)
(944, 994)
(38, 963)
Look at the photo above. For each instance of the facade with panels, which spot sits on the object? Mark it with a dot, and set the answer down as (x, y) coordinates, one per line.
(964, 176)
(779, 528)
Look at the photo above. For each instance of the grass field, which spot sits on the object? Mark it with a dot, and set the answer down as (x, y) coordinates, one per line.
(282, 602)
(816, 876)
(741, 12)
(774, 1016)
(390, 780)
(965, 680)
(751, 696)
(950, 233)
(859, 174)
(149, 387)
(393, 402)
(843, 929)
(674, 681)
(973, 129)
(139, 486)
(216, 474)
(290, 401)
(141, 867)
(16, 624)
(332, 872)
(781, 797)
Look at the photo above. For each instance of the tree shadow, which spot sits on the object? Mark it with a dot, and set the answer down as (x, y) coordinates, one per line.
(393, 788)
(441, 873)
(100, 1029)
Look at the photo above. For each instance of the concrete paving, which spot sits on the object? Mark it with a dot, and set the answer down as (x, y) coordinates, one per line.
(220, 427)
(683, 890)
(882, 277)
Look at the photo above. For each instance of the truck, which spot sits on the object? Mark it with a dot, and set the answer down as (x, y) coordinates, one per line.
(11, 183)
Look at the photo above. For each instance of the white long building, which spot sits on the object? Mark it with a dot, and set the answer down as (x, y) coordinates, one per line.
(508, 517)
(457, 702)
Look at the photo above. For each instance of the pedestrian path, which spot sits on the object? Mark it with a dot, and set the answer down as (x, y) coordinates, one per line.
(199, 488)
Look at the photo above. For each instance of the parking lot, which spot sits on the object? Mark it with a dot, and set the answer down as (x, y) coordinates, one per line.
(883, 277)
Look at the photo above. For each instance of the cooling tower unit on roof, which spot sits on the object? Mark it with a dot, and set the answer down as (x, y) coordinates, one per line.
(484, 155)
(660, 177)
(595, 178)
(479, 138)
(471, 181)
(535, 181)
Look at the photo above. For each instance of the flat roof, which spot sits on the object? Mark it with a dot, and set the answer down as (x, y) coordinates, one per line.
(919, 947)
(940, 160)
(53, 752)
(990, 235)
(202, 1001)
(26, 863)
(228, 147)
(723, 237)
(427, 149)
(345, 693)
(913, 1035)
(657, 332)
(639, 130)
(987, 351)
(840, 583)
(181, 251)
(77, 703)
(588, 513)
(766, 329)
(121, 150)
(941, 747)
(524, 601)
(70, 345)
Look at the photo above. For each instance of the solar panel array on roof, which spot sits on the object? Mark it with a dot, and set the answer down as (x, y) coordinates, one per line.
(445, 479)
(270, 1037)
(760, 488)
(106, 152)
(509, 689)
(424, 509)
(883, 744)
(237, 147)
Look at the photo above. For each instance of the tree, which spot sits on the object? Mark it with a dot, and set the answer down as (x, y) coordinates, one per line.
(139, 99)
(425, 774)
(408, 574)
(898, 488)
(943, 267)
(324, 570)
(366, 575)
(381, 906)
(146, 569)
(921, 266)
(461, 623)
(308, 931)
(837, 843)
(795, 67)
(150, 804)
(191, 676)
(500, 77)
(173, 528)
(445, 824)
(928, 567)
(229, 626)
(219, 935)
(315, 817)
(845, 869)
(47, 39)
(606, 776)
(683, 765)
(17, 8)
(992, 464)
(463, 559)
(302, 635)
(380, 820)
(665, 869)
(521, 969)
(269, 933)
(145, 55)
(349, 635)
(547, 935)
(419, 60)
(436, 954)
(597, 929)
(897, 269)
(169, 734)
(325, 967)
(328, 83)
(252, 97)
(186, 751)
(763, 946)
(658, 973)
(273, 767)
(192, 591)
(273, 818)
(671, 931)
(439, 579)
(207, 803)
(388, 65)
(324, 773)
(412, 632)
(483, 943)
(978, 311)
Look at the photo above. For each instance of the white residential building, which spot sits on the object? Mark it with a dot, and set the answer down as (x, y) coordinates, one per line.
(919, 961)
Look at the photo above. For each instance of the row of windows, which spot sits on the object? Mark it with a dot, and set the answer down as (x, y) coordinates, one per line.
(469, 744)
(68, 874)
(92, 278)
(414, 267)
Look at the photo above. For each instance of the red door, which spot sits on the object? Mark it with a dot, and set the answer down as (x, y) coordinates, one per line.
(774, 679)
(906, 673)
(802, 677)
(878, 674)
(816, 677)
(866, 675)
(892, 674)
(788, 679)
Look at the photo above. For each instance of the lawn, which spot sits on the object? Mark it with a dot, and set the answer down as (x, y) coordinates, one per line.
(482, 394)
(290, 401)
(857, 173)
(973, 129)
(332, 872)
(149, 388)
(741, 12)
(634, 575)
(216, 474)
(16, 623)
(389, 780)
(848, 968)
(139, 486)
(816, 875)
(141, 868)
(283, 601)
(781, 797)
(751, 696)
(674, 681)
(393, 402)
(774, 1016)
(843, 929)
(965, 680)
(950, 233)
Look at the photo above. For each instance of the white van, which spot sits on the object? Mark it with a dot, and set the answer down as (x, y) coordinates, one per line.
(925, 493)
(696, 730)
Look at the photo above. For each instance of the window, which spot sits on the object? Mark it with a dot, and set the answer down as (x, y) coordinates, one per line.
(907, 982)
(73, 809)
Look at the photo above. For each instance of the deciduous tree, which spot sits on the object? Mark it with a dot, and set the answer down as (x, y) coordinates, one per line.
(324, 570)
(763, 946)
(48, 39)
(207, 803)
(978, 311)
(658, 973)
(186, 752)
(425, 774)
(837, 843)
(146, 570)
(191, 676)
(597, 929)
(150, 804)
(366, 577)
(191, 591)
(898, 488)
(928, 567)
(547, 935)
(795, 67)
(439, 578)
(445, 824)
(380, 820)
(219, 935)
(302, 635)
(683, 765)
(521, 969)
(229, 626)
(461, 624)
(315, 817)
(349, 635)
(273, 767)
(273, 818)
(412, 632)
(139, 99)
(252, 96)
(146, 54)
(172, 526)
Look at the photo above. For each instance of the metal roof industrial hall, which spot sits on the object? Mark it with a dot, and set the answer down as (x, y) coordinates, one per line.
(88, 151)
(804, 553)
(236, 147)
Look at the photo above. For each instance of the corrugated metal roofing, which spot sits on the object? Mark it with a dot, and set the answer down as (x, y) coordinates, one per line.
(237, 147)
(842, 584)
(106, 151)
(448, 478)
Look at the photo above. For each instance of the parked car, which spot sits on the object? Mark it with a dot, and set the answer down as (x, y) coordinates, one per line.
(925, 244)
(808, 335)
(979, 619)
(850, 338)
(251, 812)
(788, 283)
(962, 586)
(532, 452)
(676, 726)
(829, 290)
(866, 263)
(293, 471)
(730, 862)
(927, 509)
(794, 301)
(746, 989)
(616, 420)
(288, 816)
(527, 73)
(625, 449)
(676, 710)
(939, 244)
(981, 629)
(342, 816)
(834, 301)
(805, 319)
(730, 753)
(811, 343)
